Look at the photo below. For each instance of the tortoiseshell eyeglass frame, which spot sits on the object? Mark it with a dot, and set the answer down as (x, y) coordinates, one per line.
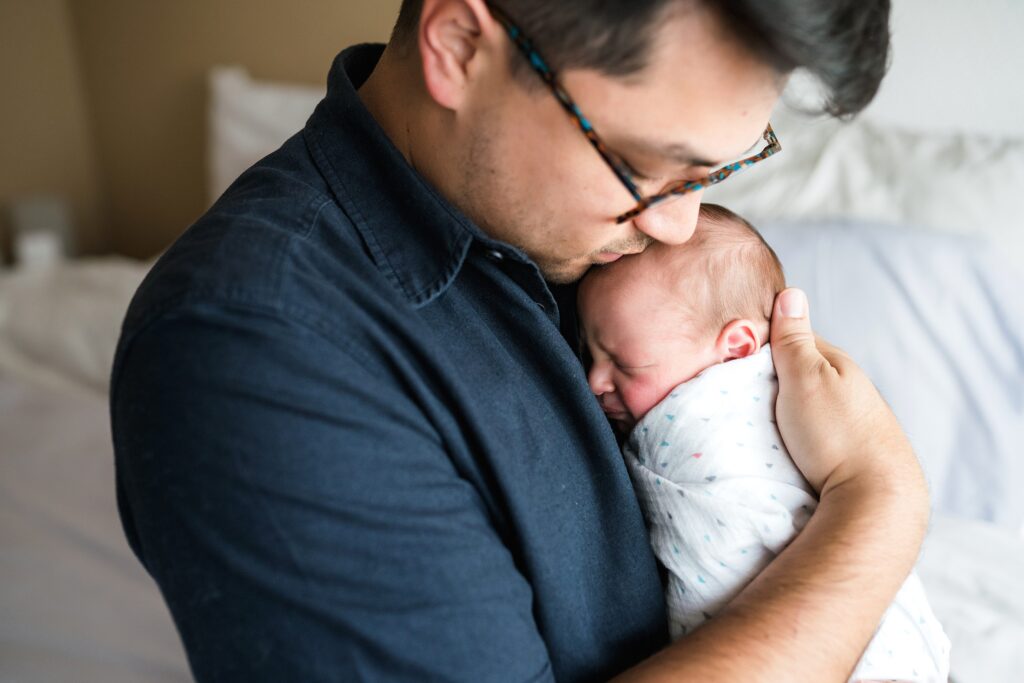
(617, 165)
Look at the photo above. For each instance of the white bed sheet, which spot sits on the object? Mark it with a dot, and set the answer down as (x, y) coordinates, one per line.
(75, 604)
(972, 572)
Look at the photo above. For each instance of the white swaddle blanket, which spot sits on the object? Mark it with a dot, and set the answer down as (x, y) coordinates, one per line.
(722, 497)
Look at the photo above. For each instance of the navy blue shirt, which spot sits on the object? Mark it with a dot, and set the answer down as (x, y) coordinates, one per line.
(352, 442)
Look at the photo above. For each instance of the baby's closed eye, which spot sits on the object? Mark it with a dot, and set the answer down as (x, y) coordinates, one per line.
(633, 368)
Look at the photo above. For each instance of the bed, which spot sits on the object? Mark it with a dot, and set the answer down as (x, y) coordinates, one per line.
(918, 279)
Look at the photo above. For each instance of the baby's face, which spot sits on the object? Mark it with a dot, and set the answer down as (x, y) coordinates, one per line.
(641, 344)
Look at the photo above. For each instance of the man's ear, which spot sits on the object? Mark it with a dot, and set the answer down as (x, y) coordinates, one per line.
(449, 38)
(738, 339)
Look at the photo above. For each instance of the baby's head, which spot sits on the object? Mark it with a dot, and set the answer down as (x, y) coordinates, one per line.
(656, 319)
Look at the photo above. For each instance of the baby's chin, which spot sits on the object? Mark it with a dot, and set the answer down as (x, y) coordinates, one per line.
(623, 425)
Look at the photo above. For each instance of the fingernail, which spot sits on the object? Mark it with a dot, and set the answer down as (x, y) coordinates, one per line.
(793, 303)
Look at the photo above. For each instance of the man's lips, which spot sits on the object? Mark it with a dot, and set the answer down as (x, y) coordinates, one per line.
(609, 256)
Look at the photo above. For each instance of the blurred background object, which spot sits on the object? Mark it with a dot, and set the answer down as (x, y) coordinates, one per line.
(41, 231)
(105, 101)
(956, 68)
(122, 120)
(47, 145)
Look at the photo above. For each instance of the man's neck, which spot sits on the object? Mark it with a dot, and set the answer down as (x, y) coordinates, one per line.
(390, 95)
(397, 98)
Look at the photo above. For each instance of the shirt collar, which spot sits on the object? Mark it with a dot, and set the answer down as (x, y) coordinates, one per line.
(417, 239)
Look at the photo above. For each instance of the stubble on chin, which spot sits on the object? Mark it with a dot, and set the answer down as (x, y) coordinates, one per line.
(563, 272)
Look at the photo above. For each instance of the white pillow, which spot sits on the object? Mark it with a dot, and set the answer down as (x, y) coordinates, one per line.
(60, 325)
(937, 322)
(952, 183)
(249, 119)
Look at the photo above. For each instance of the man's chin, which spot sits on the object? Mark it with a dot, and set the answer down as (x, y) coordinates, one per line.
(565, 272)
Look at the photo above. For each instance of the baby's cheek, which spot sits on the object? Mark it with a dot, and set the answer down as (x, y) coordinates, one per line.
(642, 394)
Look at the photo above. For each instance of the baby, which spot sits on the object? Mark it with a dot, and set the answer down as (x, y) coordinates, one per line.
(678, 338)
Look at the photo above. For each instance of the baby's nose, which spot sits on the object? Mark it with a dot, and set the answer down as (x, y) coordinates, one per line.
(600, 379)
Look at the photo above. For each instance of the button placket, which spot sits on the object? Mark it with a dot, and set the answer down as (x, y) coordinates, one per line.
(534, 289)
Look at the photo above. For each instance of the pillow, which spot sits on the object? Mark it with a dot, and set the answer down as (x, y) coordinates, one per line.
(952, 183)
(60, 325)
(249, 119)
(937, 322)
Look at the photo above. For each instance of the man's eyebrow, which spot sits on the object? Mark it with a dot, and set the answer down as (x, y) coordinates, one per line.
(681, 153)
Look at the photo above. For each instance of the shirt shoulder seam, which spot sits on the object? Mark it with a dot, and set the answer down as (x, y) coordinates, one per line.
(240, 301)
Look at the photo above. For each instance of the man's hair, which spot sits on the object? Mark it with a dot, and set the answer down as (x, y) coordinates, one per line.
(739, 278)
(843, 43)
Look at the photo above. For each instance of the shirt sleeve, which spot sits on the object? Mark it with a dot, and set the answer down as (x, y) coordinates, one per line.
(300, 514)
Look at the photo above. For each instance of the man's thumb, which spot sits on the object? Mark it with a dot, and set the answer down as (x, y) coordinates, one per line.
(793, 347)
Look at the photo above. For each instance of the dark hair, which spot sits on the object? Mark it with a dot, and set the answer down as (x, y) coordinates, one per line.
(842, 43)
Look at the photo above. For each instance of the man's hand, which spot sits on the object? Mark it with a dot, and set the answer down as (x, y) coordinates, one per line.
(834, 422)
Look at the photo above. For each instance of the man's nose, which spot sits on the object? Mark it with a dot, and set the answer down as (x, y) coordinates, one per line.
(673, 221)
(600, 378)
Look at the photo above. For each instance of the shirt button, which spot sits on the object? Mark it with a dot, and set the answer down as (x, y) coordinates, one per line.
(495, 255)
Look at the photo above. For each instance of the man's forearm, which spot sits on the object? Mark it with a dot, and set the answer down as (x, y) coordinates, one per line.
(809, 615)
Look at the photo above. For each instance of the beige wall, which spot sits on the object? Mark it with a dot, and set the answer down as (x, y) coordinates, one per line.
(45, 141)
(144, 64)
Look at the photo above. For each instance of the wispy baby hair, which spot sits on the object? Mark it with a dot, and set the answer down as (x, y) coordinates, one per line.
(740, 274)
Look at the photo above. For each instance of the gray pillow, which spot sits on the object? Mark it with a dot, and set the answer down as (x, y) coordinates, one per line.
(937, 321)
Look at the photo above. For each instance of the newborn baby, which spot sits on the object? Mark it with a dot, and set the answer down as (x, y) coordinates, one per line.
(678, 338)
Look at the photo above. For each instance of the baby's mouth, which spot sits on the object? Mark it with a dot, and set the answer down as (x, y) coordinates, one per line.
(614, 413)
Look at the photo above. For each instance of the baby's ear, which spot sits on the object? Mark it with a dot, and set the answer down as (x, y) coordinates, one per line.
(738, 339)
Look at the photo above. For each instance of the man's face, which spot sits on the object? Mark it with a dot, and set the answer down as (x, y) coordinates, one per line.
(529, 176)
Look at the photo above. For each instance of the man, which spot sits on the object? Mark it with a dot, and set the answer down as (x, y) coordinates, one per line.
(352, 441)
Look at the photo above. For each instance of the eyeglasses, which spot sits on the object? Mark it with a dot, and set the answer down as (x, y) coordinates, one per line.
(619, 167)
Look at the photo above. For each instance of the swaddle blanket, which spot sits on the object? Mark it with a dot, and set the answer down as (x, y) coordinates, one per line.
(722, 497)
